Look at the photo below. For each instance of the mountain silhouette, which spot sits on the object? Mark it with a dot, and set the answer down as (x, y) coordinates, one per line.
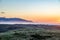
(2, 19)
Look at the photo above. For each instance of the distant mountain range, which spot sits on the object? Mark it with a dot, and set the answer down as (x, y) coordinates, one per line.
(3, 19)
(5, 24)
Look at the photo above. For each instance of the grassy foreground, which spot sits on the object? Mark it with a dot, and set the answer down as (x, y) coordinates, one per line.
(31, 34)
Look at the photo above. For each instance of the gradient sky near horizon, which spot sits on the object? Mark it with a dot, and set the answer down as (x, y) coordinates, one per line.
(45, 11)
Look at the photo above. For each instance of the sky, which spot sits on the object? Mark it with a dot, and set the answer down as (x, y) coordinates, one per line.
(44, 11)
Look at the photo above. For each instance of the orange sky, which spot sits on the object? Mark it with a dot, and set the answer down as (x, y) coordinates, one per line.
(35, 17)
(47, 11)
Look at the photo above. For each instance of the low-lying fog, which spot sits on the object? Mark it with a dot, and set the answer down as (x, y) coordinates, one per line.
(19, 22)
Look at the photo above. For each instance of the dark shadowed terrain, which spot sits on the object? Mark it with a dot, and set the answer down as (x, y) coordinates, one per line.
(29, 32)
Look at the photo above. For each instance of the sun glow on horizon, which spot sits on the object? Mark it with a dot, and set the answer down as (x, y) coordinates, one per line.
(58, 21)
(47, 11)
